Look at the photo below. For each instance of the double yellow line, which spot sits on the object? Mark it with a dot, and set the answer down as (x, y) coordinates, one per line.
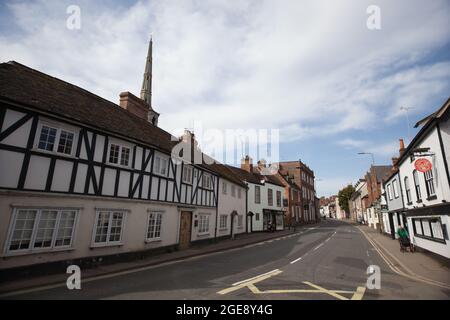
(394, 268)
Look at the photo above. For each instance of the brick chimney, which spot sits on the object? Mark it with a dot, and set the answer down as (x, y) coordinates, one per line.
(247, 164)
(402, 147)
(133, 104)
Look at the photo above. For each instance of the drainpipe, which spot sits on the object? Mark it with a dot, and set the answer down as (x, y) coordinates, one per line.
(217, 207)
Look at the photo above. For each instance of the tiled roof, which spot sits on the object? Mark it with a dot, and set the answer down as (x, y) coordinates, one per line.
(36, 90)
(56, 97)
(244, 175)
(381, 172)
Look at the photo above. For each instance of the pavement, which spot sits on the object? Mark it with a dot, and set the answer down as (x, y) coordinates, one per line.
(240, 240)
(420, 264)
(333, 260)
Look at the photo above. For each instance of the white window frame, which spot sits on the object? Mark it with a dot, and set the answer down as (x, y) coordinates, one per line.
(160, 158)
(52, 248)
(279, 203)
(108, 243)
(224, 187)
(239, 193)
(407, 189)
(240, 221)
(119, 158)
(189, 174)
(395, 189)
(200, 225)
(153, 239)
(429, 183)
(223, 222)
(58, 127)
(233, 191)
(389, 192)
(270, 197)
(258, 198)
(207, 177)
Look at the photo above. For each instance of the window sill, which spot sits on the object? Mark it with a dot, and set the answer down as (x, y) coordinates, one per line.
(203, 235)
(419, 201)
(409, 204)
(442, 241)
(105, 245)
(153, 240)
(35, 251)
(55, 153)
(432, 198)
(118, 165)
(223, 229)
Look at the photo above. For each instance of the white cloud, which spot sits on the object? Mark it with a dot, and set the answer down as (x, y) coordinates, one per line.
(310, 68)
(352, 143)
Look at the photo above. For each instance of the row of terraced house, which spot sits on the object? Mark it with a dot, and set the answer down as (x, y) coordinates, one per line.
(83, 179)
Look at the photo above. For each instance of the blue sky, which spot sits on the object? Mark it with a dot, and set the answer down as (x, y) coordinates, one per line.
(311, 69)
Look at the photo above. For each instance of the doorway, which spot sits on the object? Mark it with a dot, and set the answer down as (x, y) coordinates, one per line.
(185, 229)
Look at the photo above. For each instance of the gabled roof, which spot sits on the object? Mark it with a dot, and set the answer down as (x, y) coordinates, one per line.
(45, 93)
(381, 171)
(427, 124)
(38, 91)
(227, 173)
(272, 178)
(244, 175)
(435, 115)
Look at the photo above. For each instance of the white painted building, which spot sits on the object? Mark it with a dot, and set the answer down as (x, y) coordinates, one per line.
(427, 194)
(232, 208)
(264, 198)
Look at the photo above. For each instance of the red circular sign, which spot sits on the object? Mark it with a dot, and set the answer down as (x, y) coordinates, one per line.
(422, 165)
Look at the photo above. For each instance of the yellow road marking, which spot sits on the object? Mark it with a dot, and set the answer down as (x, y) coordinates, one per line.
(330, 292)
(250, 284)
(359, 293)
(398, 271)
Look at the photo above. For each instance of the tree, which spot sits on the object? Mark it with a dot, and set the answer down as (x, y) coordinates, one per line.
(344, 196)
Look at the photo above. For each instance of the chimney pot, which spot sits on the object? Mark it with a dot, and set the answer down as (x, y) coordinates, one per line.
(402, 147)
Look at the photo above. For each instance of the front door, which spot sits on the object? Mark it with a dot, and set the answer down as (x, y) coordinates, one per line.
(185, 229)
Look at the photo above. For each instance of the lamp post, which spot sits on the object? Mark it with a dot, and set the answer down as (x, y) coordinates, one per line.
(373, 158)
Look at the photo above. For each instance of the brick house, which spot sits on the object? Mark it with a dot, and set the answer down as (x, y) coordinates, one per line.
(304, 177)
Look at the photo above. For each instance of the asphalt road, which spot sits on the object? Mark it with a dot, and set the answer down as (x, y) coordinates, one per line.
(328, 261)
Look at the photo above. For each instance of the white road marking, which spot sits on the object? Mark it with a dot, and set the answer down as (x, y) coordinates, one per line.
(256, 277)
(318, 247)
(296, 260)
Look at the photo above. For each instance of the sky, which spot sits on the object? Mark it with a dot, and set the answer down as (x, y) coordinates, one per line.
(311, 69)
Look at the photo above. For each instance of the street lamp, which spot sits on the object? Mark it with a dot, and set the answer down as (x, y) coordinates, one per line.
(373, 158)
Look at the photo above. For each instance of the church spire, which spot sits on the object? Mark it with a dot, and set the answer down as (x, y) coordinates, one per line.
(146, 91)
